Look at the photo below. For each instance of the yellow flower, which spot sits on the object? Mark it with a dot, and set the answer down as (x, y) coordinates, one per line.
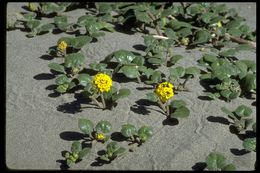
(33, 6)
(103, 82)
(100, 136)
(62, 45)
(219, 24)
(164, 91)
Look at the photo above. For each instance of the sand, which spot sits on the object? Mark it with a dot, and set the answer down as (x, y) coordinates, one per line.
(39, 125)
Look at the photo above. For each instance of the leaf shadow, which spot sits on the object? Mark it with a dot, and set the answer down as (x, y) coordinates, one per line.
(98, 161)
(170, 121)
(117, 136)
(139, 47)
(46, 57)
(63, 165)
(238, 152)
(44, 76)
(206, 98)
(199, 166)
(71, 136)
(140, 109)
(218, 119)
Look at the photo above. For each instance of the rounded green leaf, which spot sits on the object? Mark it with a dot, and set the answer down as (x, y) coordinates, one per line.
(155, 60)
(124, 56)
(84, 152)
(80, 41)
(124, 92)
(152, 97)
(192, 70)
(103, 126)
(112, 147)
(229, 167)
(177, 103)
(210, 58)
(228, 53)
(130, 71)
(60, 20)
(61, 79)
(138, 60)
(32, 24)
(46, 27)
(243, 111)
(84, 79)
(62, 88)
(249, 82)
(250, 144)
(119, 152)
(56, 67)
(85, 125)
(177, 71)
(180, 112)
(175, 58)
(74, 60)
(76, 147)
(201, 36)
(146, 131)
(184, 32)
(215, 161)
(128, 130)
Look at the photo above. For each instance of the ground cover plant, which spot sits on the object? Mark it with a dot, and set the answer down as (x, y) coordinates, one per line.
(163, 27)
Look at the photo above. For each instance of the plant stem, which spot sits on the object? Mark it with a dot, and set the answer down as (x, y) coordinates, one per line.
(162, 106)
(103, 101)
(117, 68)
(154, 23)
(167, 110)
(95, 100)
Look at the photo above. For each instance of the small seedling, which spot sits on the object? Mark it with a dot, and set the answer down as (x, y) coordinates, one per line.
(99, 133)
(76, 153)
(241, 117)
(217, 162)
(137, 136)
(113, 151)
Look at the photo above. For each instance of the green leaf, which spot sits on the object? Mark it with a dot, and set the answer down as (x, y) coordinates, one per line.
(175, 24)
(108, 26)
(103, 7)
(243, 111)
(210, 58)
(128, 130)
(233, 24)
(201, 36)
(177, 103)
(103, 126)
(206, 17)
(84, 152)
(146, 132)
(225, 110)
(138, 60)
(152, 97)
(235, 32)
(192, 70)
(93, 27)
(98, 66)
(177, 72)
(242, 68)
(58, 20)
(215, 161)
(229, 167)
(69, 162)
(119, 151)
(32, 24)
(130, 71)
(213, 95)
(46, 27)
(156, 77)
(76, 147)
(71, 85)
(206, 76)
(250, 144)
(175, 58)
(155, 60)
(80, 41)
(85, 125)
(124, 92)
(104, 157)
(56, 67)
(112, 147)
(142, 16)
(249, 82)
(184, 32)
(74, 60)
(124, 56)
(61, 79)
(29, 16)
(170, 33)
(228, 53)
(180, 112)
(84, 79)
(62, 88)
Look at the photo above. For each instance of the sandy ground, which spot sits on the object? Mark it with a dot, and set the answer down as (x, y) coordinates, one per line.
(39, 125)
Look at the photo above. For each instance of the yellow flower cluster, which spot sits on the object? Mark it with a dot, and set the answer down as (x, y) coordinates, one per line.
(164, 91)
(100, 136)
(219, 24)
(103, 82)
(62, 45)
